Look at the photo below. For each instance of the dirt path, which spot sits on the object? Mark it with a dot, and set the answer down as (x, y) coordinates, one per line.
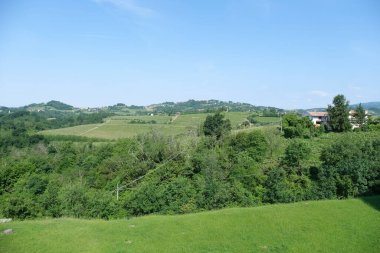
(175, 117)
(94, 128)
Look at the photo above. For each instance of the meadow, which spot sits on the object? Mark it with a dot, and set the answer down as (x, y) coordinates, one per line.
(350, 225)
(118, 127)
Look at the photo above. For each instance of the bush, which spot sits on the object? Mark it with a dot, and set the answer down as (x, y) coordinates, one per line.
(296, 126)
(353, 164)
(178, 196)
(253, 143)
(74, 200)
(295, 153)
(20, 205)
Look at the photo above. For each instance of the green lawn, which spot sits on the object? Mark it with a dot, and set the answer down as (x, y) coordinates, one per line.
(118, 127)
(317, 226)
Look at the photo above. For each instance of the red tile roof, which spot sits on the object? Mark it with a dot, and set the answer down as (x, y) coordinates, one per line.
(318, 114)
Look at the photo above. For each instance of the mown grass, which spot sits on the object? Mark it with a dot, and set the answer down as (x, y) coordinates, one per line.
(118, 127)
(351, 225)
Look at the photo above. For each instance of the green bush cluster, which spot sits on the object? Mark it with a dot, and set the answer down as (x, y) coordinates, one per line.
(297, 126)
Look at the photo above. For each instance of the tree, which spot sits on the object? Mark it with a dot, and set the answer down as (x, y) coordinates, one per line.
(338, 114)
(215, 125)
(360, 116)
(273, 138)
(352, 165)
(252, 143)
(295, 153)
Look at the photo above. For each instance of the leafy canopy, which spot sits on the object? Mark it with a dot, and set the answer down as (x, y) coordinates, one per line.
(216, 126)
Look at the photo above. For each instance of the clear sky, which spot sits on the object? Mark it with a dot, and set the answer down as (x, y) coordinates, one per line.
(289, 54)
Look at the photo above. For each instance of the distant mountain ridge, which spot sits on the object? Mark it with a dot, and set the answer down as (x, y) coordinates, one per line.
(190, 106)
(194, 106)
(372, 107)
(369, 104)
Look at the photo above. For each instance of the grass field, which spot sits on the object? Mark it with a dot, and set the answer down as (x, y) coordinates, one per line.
(317, 226)
(118, 127)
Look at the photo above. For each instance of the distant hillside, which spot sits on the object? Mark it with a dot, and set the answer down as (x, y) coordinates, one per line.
(196, 106)
(369, 105)
(52, 105)
(301, 111)
(372, 107)
(3, 109)
(59, 105)
(171, 108)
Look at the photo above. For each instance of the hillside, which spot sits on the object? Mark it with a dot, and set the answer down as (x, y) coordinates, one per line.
(196, 106)
(372, 107)
(52, 105)
(321, 226)
(171, 108)
(190, 106)
(117, 127)
(59, 105)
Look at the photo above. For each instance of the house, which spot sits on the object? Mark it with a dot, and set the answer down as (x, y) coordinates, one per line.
(317, 118)
(352, 117)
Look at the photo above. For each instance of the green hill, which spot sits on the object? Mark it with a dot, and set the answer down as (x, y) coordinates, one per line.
(196, 106)
(59, 105)
(372, 107)
(321, 226)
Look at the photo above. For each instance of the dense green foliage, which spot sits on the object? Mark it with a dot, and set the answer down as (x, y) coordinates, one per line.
(162, 174)
(348, 226)
(296, 126)
(373, 123)
(252, 119)
(216, 126)
(19, 129)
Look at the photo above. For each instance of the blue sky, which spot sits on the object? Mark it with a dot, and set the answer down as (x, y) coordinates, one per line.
(289, 54)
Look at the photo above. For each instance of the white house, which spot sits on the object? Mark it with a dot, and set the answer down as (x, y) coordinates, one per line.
(317, 117)
(322, 117)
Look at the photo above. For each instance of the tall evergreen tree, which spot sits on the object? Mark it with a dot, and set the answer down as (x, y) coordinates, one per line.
(338, 114)
(360, 116)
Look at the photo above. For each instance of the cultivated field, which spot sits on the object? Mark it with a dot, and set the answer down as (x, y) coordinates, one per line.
(320, 226)
(117, 127)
